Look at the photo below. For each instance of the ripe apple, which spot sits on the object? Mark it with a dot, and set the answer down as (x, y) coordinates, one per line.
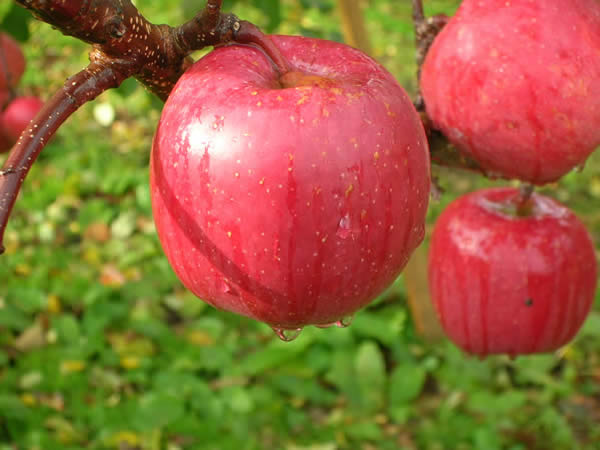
(516, 85)
(294, 199)
(12, 62)
(17, 115)
(508, 277)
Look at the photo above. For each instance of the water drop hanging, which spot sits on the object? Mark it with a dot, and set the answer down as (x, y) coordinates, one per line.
(344, 322)
(287, 335)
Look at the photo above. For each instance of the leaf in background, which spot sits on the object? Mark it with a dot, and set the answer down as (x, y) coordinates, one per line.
(271, 9)
(370, 372)
(16, 22)
(155, 410)
(406, 383)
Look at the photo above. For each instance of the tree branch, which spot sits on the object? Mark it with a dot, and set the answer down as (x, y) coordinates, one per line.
(79, 89)
(125, 45)
(442, 152)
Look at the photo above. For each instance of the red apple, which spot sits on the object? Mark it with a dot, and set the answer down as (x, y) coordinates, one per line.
(510, 279)
(516, 85)
(294, 200)
(17, 116)
(12, 62)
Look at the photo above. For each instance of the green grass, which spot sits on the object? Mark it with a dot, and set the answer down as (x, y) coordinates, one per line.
(102, 348)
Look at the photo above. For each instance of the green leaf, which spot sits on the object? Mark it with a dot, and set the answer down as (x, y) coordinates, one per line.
(272, 9)
(406, 383)
(369, 366)
(16, 22)
(155, 410)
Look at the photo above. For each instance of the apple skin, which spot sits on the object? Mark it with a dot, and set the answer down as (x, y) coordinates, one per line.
(516, 85)
(508, 284)
(17, 115)
(15, 62)
(294, 205)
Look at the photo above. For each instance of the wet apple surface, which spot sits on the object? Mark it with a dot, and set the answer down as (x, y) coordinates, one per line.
(291, 198)
(509, 277)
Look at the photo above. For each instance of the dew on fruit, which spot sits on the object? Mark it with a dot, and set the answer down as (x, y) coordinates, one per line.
(225, 287)
(346, 228)
(325, 325)
(345, 322)
(287, 335)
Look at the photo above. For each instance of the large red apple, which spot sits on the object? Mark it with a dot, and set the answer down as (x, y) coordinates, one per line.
(292, 199)
(17, 115)
(516, 85)
(12, 62)
(510, 279)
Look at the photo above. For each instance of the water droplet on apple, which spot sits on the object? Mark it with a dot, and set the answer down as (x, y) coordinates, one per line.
(346, 228)
(225, 287)
(325, 325)
(287, 335)
(344, 322)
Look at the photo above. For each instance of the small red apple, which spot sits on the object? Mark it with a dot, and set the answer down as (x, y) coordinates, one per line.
(12, 62)
(516, 85)
(292, 199)
(510, 278)
(17, 115)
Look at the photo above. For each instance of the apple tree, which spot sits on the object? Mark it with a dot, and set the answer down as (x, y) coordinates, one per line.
(290, 176)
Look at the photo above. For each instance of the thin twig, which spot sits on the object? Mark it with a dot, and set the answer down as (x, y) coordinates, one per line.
(125, 45)
(79, 89)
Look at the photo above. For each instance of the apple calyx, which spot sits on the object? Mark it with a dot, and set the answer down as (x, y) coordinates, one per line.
(294, 79)
(519, 206)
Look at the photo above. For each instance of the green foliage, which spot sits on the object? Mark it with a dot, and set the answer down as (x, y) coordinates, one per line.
(102, 348)
(15, 20)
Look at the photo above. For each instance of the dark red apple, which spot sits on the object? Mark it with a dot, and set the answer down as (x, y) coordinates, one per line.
(17, 115)
(511, 279)
(292, 199)
(516, 85)
(12, 62)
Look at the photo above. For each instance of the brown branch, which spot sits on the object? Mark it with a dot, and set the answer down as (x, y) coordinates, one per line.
(79, 89)
(426, 29)
(125, 45)
(442, 152)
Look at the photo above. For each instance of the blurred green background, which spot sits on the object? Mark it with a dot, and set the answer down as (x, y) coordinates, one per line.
(102, 348)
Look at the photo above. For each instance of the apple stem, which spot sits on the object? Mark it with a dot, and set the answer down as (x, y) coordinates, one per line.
(524, 203)
(426, 30)
(248, 33)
